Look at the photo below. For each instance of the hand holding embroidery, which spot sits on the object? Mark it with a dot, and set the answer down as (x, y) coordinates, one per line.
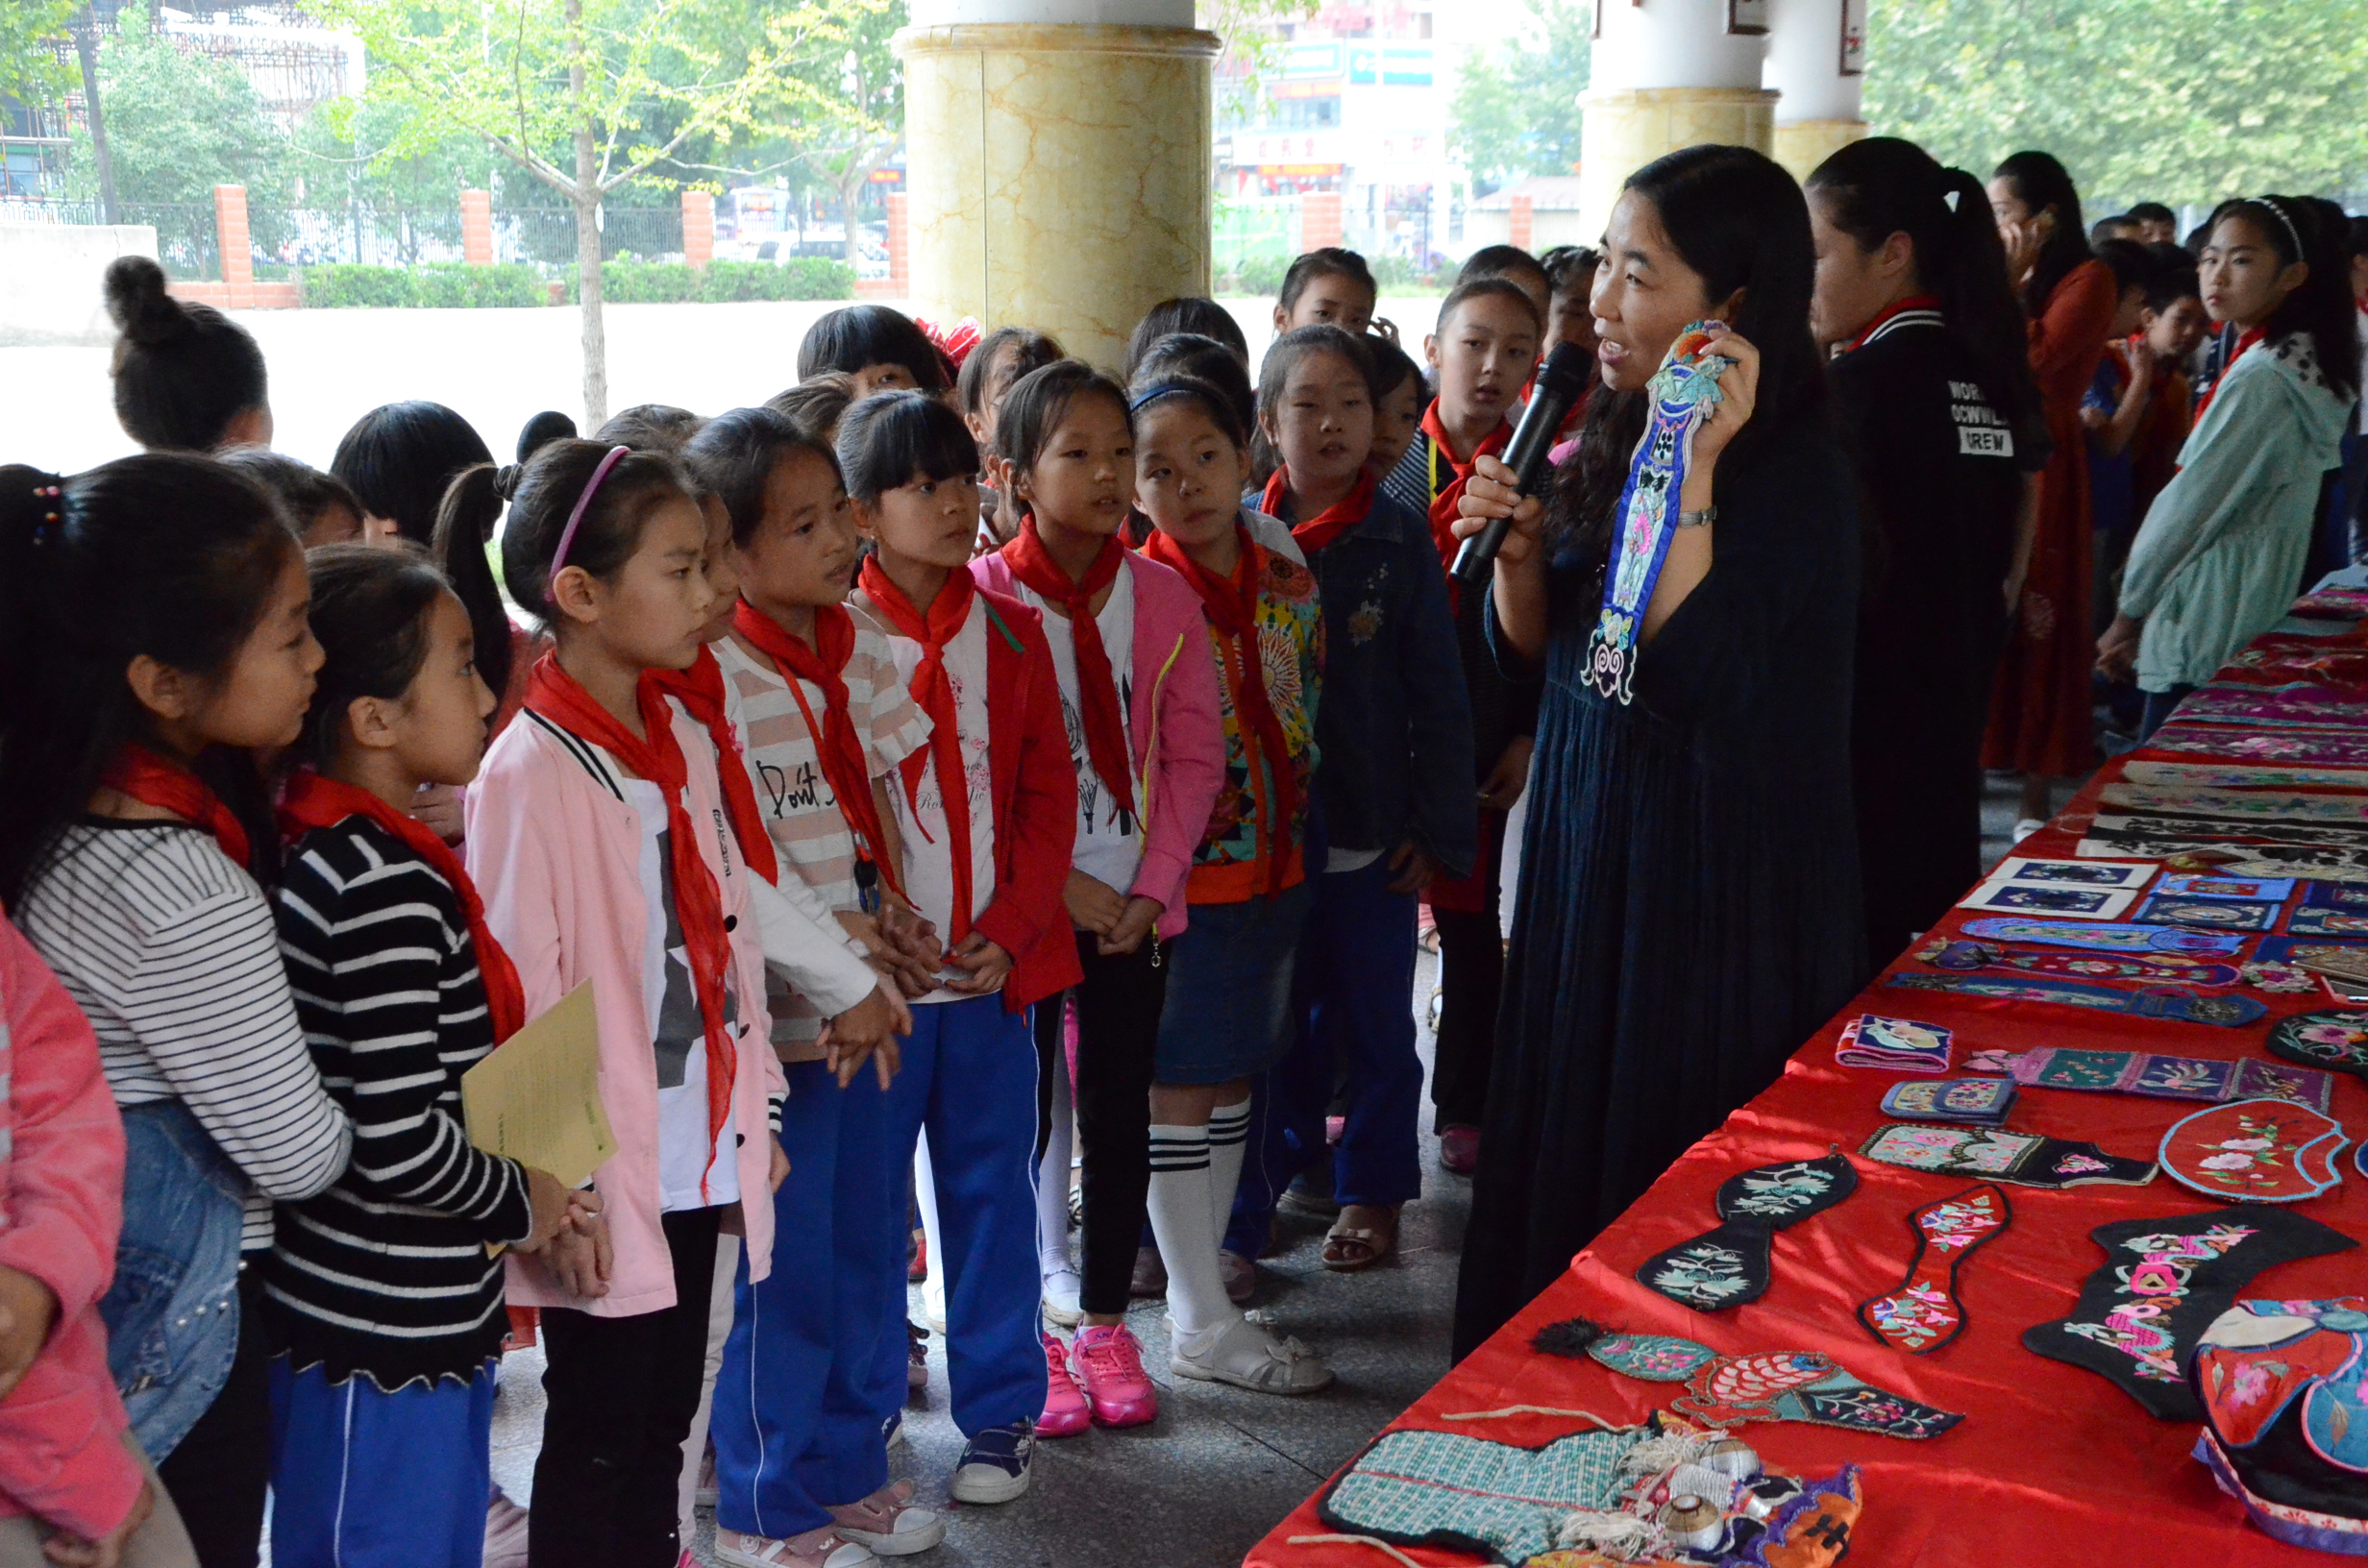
(1738, 386)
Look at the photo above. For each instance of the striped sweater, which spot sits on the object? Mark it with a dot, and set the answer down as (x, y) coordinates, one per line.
(386, 1273)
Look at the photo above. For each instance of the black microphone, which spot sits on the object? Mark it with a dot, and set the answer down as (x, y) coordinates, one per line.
(1558, 386)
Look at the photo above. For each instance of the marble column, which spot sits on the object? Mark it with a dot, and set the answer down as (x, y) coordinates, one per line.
(1815, 52)
(1666, 75)
(1057, 156)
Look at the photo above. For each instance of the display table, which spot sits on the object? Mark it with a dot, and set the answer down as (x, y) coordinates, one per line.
(2053, 1465)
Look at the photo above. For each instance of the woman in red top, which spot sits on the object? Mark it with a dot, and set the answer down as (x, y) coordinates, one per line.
(2039, 717)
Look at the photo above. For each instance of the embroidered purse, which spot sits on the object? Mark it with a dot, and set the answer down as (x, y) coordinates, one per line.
(2025, 1158)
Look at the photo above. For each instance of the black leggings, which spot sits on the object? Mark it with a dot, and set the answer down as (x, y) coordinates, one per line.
(1119, 1005)
(216, 1475)
(621, 1393)
(1471, 981)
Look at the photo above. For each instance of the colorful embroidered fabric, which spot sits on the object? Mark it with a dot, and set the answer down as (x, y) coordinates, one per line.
(2335, 748)
(2300, 705)
(2285, 1390)
(2105, 939)
(2335, 1037)
(1977, 1102)
(1731, 1265)
(2210, 775)
(2255, 1151)
(1682, 394)
(2238, 804)
(2212, 914)
(2335, 895)
(2164, 1077)
(1961, 956)
(2319, 920)
(1769, 1386)
(2025, 1158)
(2140, 1316)
(1924, 1314)
(2230, 858)
(2283, 979)
(1893, 1044)
(2249, 831)
(2155, 1002)
(2249, 889)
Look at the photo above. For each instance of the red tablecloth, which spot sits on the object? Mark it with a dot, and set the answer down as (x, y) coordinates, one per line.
(2053, 1465)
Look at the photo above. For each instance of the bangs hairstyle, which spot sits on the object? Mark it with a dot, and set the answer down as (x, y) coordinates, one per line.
(848, 340)
(166, 554)
(891, 438)
(400, 458)
(1495, 287)
(548, 489)
(1212, 401)
(1185, 314)
(1394, 367)
(1298, 344)
(2040, 184)
(1500, 262)
(2128, 264)
(369, 614)
(182, 371)
(1003, 355)
(2151, 212)
(2300, 229)
(816, 403)
(650, 427)
(1325, 261)
(733, 458)
(1192, 357)
(1571, 269)
(1738, 219)
(2174, 278)
(305, 491)
(1033, 408)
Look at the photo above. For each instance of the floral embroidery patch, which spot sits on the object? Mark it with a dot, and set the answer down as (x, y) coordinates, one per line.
(1924, 1314)
(2255, 1151)
(1364, 622)
(1731, 1265)
(1763, 1385)
(2334, 1038)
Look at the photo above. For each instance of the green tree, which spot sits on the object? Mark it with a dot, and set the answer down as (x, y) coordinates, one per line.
(1516, 107)
(32, 66)
(2176, 100)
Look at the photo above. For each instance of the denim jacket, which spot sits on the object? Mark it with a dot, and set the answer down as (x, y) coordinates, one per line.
(1394, 730)
(172, 1314)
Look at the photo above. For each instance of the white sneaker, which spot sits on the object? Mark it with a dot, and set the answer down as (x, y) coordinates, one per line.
(1062, 1306)
(889, 1522)
(824, 1548)
(1245, 1355)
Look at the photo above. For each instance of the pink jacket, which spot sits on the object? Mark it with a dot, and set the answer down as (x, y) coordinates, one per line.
(555, 851)
(62, 1457)
(1173, 724)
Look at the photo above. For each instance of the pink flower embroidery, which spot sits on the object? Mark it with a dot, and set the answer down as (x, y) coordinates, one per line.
(2248, 1385)
(2248, 1143)
(2226, 1162)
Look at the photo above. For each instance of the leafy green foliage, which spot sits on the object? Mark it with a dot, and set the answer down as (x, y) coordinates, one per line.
(32, 69)
(179, 123)
(726, 283)
(1516, 107)
(2176, 100)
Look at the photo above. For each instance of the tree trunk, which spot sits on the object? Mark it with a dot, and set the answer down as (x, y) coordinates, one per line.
(586, 195)
(87, 50)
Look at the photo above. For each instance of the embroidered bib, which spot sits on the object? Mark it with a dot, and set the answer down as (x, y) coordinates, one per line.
(2025, 1158)
(2335, 1037)
(2156, 1002)
(1731, 1265)
(2147, 968)
(2139, 1316)
(1924, 1314)
(2255, 1151)
(1767, 1386)
(2285, 1390)
(2105, 939)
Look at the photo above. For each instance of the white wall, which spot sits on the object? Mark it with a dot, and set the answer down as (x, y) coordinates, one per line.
(50, 280)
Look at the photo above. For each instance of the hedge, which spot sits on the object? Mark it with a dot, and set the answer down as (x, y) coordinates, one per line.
(439, 283)
(723, 283)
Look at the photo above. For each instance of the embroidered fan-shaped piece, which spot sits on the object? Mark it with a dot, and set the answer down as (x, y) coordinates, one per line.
(2255, 1151)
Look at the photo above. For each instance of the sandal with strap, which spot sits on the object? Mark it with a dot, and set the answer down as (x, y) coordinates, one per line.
(1245, 1355)
(1350, 1249)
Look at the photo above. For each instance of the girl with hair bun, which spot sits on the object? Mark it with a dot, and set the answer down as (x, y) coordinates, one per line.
(187, 377)
(1936, 403)
(2222, 548)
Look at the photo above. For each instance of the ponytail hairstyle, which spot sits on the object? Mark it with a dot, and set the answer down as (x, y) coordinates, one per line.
(545, 495)
(182, 372)
(166, 554)
(1212, 402)
(1739, 221)
(816, 403)
(734, 455)
(845, 341)
(1002, 356)
(1324, 261)
(1882, 186)
(1185, 314)
(2298, 230)
(400, 458)
(465, 524)
(1032, 410)
(2043, 184)
(891, 438)
(650, 427)
(369, 614)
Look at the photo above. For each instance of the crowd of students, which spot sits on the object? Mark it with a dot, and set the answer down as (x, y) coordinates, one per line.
(971, 767)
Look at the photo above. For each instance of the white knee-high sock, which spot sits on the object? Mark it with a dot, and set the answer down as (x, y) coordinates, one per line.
(925, 1193)
(1180, 1220)
(1052, 1182)
(1228, 1132)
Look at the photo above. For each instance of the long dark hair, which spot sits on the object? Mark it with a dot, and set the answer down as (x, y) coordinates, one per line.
(2039, 183)
(166, 554)
(1738, 220)
(2298, 230)
(400, 458)
(465, 524)
(1882, 186)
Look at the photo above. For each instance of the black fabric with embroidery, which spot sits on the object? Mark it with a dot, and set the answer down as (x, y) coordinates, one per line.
(1734, 1264)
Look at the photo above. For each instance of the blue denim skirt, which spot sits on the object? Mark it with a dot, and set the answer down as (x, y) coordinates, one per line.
(1228, 1008)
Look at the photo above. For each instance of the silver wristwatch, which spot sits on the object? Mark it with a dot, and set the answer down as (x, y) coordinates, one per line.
(1702, 519)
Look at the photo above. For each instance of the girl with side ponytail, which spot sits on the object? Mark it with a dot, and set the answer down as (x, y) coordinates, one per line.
(1936, 403)
(464, 524)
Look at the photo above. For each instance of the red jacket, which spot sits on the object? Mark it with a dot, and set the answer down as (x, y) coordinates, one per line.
(62, 1457)
(1035, 806)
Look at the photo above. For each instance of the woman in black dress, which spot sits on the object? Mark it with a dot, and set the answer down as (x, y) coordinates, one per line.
(1690, 896)
(1934, 397)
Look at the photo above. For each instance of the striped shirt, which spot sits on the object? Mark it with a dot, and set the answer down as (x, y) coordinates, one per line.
(386, 1273)
(168, 948)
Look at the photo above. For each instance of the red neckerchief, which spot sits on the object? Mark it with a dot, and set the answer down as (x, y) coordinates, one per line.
(1098, 688)
(699, 690)
(836, 745)
(1444, 498)
(699, 903)
(934, 691)
(1897, 308)
(153, 782)
(1232, 606)
(2251, 337)
(1335, 520)
(311, 802)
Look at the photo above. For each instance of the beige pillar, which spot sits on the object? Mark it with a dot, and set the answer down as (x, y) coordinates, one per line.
(1623, 130)
(1059, 174)
(1816, 54)
(1804, 144)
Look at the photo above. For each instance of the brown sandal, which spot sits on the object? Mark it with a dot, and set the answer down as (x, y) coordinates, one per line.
(1350, 1249)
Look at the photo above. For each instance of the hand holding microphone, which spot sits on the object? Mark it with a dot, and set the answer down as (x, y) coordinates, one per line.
(1494, 491)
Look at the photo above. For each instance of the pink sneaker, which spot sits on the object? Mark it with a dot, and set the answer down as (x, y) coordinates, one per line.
(1066, 1411)
(1109, 1367)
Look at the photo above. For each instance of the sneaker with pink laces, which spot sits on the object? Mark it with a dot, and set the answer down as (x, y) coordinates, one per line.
(1108, 1361)
(1066, 1411)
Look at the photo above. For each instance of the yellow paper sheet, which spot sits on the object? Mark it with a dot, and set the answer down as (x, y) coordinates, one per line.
(537, 1098)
